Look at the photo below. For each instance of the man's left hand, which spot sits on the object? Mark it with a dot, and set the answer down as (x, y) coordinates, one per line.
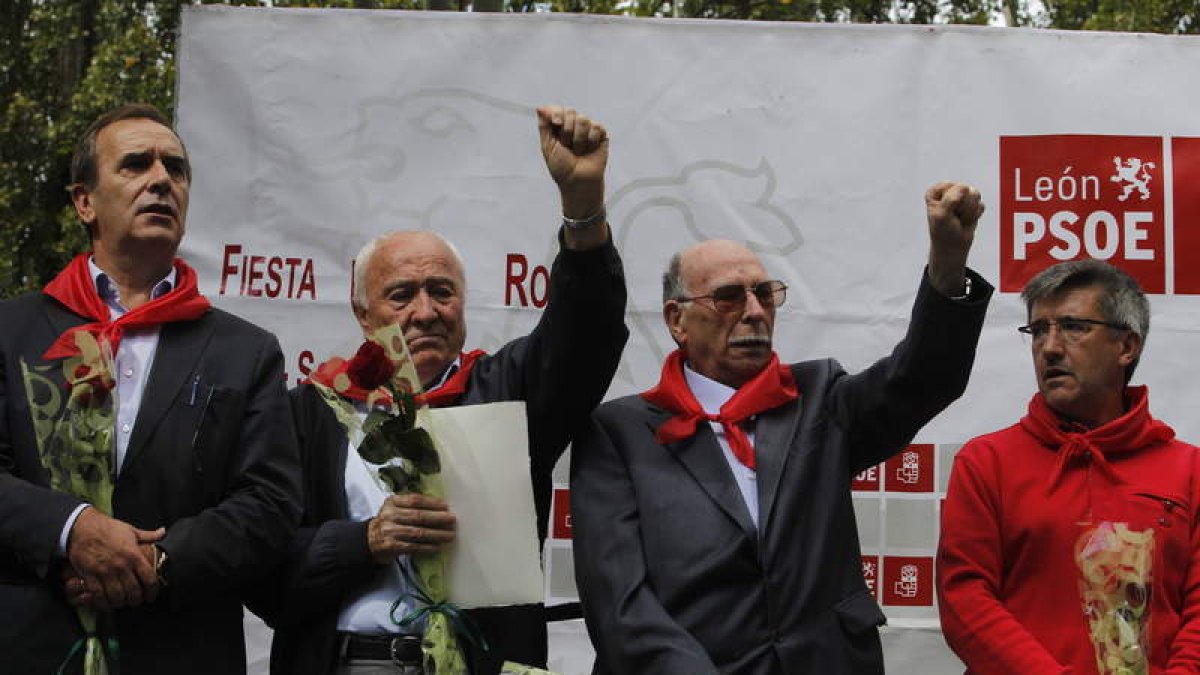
(953, 210)
(76, 589)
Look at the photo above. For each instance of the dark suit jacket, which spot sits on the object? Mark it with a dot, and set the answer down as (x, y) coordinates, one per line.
(229, 500)
(673, 575)
(561, 370)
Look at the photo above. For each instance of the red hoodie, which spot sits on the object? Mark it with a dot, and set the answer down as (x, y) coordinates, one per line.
(1019, 498)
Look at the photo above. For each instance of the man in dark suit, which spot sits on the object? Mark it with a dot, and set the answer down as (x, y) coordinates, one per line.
(712, 518)
(200, 450)
(334, 610)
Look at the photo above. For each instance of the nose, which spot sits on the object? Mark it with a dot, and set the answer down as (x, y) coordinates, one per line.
(423, 310)
(1051, 344)
(754, 310)
(159, 177)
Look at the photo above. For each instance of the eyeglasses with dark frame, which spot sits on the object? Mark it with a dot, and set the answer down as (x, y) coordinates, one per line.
(1072, 328)
(731, 298)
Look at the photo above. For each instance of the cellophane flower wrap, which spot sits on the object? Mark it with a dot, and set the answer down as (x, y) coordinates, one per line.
(396, 440)
(75, 443)
(1115, 566)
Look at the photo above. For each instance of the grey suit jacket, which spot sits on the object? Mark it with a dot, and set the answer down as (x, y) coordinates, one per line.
(218, 470)
(674, 576)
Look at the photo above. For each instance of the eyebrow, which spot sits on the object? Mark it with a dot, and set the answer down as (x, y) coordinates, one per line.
(401, 283)
(132, 157)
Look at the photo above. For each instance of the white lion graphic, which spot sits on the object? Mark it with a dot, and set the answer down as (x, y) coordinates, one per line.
(1135, 174)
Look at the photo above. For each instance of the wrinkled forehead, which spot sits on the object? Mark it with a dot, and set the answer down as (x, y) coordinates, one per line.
(416, 256)
(137, 135)
(716, 263)
(1081, 302)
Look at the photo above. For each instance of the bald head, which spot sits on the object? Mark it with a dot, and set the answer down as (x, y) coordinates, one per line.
(414, 279)
(729, 345)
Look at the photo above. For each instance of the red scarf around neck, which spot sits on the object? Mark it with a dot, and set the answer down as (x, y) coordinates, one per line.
(773, 386)
(76, 290)
(1134, 430)
(455, 386)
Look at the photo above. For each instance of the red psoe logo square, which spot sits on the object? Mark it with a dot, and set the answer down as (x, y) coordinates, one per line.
(907, 582)
(911, 470)
(561, 515)
(1185, 161)
(870, 570)
(1071, 197)
(868, 480)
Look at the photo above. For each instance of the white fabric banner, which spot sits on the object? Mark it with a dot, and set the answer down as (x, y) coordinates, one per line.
(311, 131)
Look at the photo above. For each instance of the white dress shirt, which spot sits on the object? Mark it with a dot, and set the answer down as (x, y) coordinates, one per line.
(133, 359)
(711, 395)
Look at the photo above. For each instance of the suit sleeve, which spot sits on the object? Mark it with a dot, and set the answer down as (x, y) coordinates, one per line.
(570, 357)
(1185, 649)
(970, 560)
(884, 406)
(631, 630)
(239, 539)
(562, 369)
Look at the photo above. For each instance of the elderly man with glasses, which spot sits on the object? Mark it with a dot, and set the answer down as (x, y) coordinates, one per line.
(712, 518)
(1069, 540)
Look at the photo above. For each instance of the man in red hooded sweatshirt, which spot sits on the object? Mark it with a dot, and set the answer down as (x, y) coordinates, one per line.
(1069, 540)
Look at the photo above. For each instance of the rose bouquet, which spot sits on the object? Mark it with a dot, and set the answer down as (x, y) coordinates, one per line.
(396, 442)
(1115, 580)
(75, 444)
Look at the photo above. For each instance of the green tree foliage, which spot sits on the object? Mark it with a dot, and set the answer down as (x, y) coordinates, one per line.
(62, 62)
(1143, 16)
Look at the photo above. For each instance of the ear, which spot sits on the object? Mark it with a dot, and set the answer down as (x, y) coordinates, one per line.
(1131, 349)
(361, 315)
(673, 317)
(82, 199)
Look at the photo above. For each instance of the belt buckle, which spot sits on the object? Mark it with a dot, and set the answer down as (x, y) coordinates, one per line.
(399, 649)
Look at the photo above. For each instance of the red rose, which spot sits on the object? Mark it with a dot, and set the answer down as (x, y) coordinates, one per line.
(370, 368)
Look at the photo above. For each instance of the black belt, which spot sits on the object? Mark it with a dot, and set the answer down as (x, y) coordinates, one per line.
(399, 649)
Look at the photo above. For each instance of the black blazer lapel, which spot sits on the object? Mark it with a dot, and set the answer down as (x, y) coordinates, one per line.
(180, 346)
(701, 456)
(773, 435)
(60, 318)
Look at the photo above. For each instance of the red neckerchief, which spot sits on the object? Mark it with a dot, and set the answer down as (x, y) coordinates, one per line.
(770, 388)
(76, 290)
(455, 386)
(1134, 430)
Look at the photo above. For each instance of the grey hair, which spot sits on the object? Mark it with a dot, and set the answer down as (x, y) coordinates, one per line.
(363, 258)
(672, 279)
(1123, 301)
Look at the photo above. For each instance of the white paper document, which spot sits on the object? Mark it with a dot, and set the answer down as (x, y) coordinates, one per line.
(484, 452)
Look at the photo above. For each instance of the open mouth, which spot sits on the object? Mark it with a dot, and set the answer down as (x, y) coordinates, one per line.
(750, 341)
(158, 209)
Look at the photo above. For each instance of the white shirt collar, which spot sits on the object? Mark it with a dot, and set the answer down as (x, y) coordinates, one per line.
(450, 370)
(108, 292)
(709, 393)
